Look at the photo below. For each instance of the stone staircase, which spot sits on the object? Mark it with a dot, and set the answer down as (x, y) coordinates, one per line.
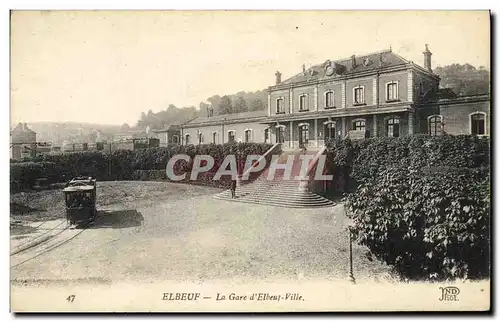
(277, 191)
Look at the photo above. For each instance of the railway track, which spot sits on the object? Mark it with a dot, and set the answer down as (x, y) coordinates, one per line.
(44, 243)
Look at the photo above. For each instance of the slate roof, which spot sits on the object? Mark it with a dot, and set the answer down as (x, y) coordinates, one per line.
(228, 117)
(374, 62)
(22, 128)
(171, 127)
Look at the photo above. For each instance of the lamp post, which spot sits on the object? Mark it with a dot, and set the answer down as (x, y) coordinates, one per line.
(349, 230)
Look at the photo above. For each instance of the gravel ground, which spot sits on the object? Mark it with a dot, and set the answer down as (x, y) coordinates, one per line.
(150, 231)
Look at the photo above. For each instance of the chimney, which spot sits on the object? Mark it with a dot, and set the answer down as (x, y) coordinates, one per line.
(278, 78)
(427, 58)
(304, 69)
(353, 58)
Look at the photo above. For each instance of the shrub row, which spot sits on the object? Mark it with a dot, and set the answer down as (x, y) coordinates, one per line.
(361, 160)
(122, 164)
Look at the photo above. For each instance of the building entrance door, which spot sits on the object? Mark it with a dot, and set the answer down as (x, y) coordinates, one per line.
(303, 135)
(329, 132)
(280, 135)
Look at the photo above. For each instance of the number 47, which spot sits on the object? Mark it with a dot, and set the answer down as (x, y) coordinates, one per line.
(70, 298)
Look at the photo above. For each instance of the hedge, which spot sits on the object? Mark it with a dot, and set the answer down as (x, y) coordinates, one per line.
(360, 160)
(431, 222)
(122, 164)
(206, 178)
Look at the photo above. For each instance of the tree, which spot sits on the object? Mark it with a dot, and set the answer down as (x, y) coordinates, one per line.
(464, 79)
(225, 105)
(240, 105)
(215, 102)
(257, 105)
(125, 127)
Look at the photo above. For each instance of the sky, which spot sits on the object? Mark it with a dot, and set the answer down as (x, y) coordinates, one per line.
(109, 66)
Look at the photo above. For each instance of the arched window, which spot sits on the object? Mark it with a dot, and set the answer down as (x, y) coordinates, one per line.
(393, 127)
(200, 138)
(188, 139)
(214, 137)
(329, 131)
(359, 125)
(303, 134)
(329, 99)
(230, 136)
(435, 125)
(248, 135)
(478, 123)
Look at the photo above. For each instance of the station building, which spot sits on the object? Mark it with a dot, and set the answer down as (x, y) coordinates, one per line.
(374, 95)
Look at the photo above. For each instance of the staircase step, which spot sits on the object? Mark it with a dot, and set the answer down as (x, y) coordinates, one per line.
(277, 191)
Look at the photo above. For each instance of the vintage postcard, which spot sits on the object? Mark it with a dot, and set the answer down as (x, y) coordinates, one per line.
(250, 161)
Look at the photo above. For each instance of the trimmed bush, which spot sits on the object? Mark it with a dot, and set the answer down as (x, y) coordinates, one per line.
(427, 222)
(23, 175)
(123, 164)
(361, 160)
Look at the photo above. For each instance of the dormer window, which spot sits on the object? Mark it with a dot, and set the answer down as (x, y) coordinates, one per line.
(359, 95)
(392, 90)
(280, 106)
(303, 103)
(329, 99)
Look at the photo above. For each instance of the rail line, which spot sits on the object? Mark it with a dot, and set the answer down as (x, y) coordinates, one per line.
(40, 235)
(51, 248)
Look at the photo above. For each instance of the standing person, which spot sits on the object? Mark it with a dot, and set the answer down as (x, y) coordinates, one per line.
(233, 188)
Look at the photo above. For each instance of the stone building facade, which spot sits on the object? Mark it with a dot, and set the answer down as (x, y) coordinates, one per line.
(375, 95)
(22, 142)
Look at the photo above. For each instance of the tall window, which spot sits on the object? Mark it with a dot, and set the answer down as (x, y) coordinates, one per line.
(329, 102)
(392, 91)
(359, 95)
(175, 139)
(359, 125)
(188, 139)
(230, 136)
(200, 138)
(478, 124)
(393, 128)
(435, 125)
(303, 103)
(280, 105)
(248, 136)
(214, 138)
(266, 135)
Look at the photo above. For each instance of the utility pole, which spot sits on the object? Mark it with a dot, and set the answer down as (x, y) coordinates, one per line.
(109, 161)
